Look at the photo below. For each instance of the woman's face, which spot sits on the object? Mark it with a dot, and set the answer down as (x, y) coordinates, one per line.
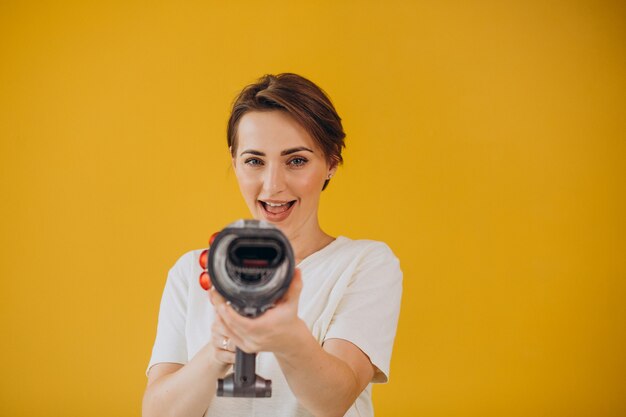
(280, 170)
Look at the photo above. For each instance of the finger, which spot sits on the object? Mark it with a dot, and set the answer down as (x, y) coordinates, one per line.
(215, 297)
(222, 337)
(224, 331)
(225, 357)
(227, 343)
(236, 326)
(222, 342)
(218, 328)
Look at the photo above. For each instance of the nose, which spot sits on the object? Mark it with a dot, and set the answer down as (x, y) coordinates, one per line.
(274, 179)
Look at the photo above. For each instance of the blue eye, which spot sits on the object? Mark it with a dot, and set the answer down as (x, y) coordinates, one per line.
(298, 161)
(253, 161)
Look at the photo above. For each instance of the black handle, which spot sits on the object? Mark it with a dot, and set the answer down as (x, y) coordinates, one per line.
(244, 382)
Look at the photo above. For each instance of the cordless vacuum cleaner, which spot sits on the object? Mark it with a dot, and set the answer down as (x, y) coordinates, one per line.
(251, 264)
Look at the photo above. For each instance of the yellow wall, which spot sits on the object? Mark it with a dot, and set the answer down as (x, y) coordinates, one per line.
(486, 145)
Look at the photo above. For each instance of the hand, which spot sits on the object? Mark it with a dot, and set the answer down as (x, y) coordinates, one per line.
(223, 347)
(270, 332)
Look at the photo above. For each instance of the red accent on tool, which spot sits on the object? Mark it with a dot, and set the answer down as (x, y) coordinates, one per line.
(204, 259)
(205, 280)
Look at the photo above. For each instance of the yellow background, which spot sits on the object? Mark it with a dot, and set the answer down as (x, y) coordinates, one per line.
(486, 145)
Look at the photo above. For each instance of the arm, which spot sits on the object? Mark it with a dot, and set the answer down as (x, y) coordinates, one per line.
(187, 390)
(326, 380)
(177, 390)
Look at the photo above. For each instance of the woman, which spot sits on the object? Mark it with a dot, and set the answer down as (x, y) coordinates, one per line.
(331, 334)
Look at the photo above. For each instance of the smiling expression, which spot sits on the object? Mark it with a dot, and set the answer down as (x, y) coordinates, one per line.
(280, 170)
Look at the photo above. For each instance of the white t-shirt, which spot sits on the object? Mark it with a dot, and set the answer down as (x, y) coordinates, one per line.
(351, 291)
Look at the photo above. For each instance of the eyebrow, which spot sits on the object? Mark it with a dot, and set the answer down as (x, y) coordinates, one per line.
(283, 153)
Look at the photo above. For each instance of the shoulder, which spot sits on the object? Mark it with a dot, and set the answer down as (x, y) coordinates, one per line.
(186, 266)
(190, 258)
(371, 250)
(371, 256)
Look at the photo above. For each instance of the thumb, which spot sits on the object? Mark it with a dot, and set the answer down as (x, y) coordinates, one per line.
(216, 298)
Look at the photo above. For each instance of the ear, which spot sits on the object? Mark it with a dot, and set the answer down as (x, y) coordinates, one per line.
(331, 170)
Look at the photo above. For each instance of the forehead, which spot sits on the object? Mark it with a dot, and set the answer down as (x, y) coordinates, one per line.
(272, 131)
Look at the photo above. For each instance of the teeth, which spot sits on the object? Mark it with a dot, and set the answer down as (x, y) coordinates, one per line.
(276, 204)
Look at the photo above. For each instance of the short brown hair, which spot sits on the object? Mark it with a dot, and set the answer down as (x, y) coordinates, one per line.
(298, 97)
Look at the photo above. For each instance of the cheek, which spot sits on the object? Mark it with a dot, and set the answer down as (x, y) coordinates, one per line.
(247, 185)
(309, 187)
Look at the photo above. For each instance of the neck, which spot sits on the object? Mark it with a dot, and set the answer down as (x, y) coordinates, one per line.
(305, 243)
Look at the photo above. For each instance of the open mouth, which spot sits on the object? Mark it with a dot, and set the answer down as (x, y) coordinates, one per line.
(276, 211)
(275, 207)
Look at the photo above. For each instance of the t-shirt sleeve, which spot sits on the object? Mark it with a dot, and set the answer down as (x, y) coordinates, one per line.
(170, 344)
(367, 314)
